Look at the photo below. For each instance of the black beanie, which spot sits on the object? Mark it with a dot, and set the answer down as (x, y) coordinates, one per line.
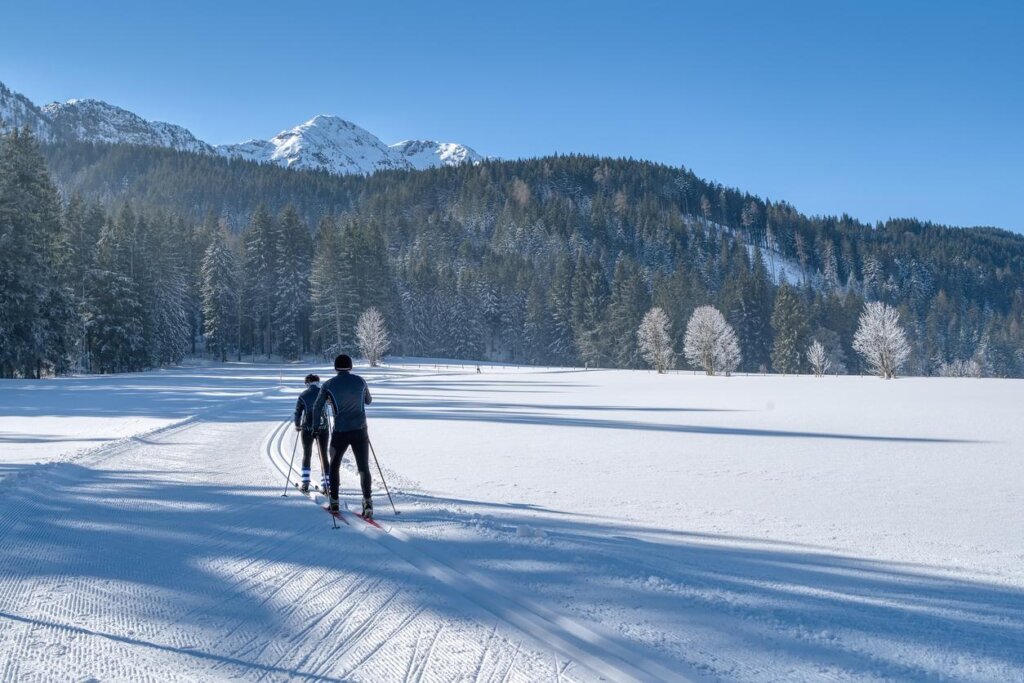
(343, 362)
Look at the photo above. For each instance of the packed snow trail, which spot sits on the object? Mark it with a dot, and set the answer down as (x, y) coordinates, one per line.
(175, 558)
(583, 644)
(556, 524)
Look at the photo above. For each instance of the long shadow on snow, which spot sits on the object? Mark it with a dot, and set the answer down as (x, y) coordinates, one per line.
(166, 546)
(169, 393)
(483, 412)
(821, 609)
(166, 540)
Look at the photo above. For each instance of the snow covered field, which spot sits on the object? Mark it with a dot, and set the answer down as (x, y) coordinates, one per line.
(556, 524)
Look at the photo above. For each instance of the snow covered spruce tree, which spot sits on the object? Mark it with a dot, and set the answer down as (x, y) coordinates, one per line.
(292, 280)
(115, 314)
(654, 338)
(789, 319)
(818, 359)
(332, 282)
(38, 322)
(372, 336)
(166, 324)
(259, 296)
(220, 296)
(626, 309)
(881, 340)
(711, 342)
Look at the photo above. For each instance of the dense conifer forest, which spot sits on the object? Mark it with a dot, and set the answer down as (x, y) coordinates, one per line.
(118, 257)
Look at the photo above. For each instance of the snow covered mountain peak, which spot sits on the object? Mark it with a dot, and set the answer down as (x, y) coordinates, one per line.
(325, 142)
(97, 121)
(429, 154)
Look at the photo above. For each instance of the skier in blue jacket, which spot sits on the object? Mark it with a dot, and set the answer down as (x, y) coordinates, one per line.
(310, 431)
(348, 396)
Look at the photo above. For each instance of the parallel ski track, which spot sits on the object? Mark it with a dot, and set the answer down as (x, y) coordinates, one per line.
(584, 644)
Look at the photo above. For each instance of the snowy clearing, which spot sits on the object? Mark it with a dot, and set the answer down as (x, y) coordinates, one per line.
(557, 524)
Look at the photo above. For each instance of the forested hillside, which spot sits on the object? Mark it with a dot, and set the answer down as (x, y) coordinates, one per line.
(551, 260)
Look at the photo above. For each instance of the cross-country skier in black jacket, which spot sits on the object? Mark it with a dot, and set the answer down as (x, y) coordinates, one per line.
(348, 396)
(304, 424)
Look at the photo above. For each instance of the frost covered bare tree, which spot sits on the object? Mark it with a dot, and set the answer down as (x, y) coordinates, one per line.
(961, 368)
(655, 340)
(372, 336)
(710, 342)
(881, 340)
(818, 358)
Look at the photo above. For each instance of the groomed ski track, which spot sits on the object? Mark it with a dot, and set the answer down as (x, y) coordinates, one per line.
(173, 557)
(582, 644)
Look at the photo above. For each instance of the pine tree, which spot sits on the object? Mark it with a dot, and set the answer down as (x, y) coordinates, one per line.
(751, 311)
(789, 320)
(560, 345)
(332, 285)
(627, 305)
(220, 297)
(538, 328)
(169, 332)
(261, 250)
(292, 279)
(114, 320)
(197, 241)
(37, 313)
(590, 294)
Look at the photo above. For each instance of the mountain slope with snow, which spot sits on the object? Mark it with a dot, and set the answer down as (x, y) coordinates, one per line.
(17, 111)
(96, 121)
(325, 143)
(424, 154)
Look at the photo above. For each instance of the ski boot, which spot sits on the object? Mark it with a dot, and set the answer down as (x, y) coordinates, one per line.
(304, 489)
(333, 507)
(367, 508)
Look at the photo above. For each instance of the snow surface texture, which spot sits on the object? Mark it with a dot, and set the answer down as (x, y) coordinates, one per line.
(556, 524)
(326, 143)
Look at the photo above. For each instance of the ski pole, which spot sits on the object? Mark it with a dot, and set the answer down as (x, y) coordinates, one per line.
(382, 480)
(290, 466)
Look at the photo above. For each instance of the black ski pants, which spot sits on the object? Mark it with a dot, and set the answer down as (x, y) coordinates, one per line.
(359, 440)
(308, 435)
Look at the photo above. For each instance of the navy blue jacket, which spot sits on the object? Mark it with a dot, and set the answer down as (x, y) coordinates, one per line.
(304, 409)
(349, 396)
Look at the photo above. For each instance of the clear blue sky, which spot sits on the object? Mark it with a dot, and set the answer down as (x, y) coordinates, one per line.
(875, 108)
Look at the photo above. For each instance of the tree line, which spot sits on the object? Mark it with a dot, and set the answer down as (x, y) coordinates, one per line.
(546, 261)
(711, 344)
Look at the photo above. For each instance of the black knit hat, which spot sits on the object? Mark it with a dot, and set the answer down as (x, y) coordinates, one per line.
(310, 379)
(343, 362)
